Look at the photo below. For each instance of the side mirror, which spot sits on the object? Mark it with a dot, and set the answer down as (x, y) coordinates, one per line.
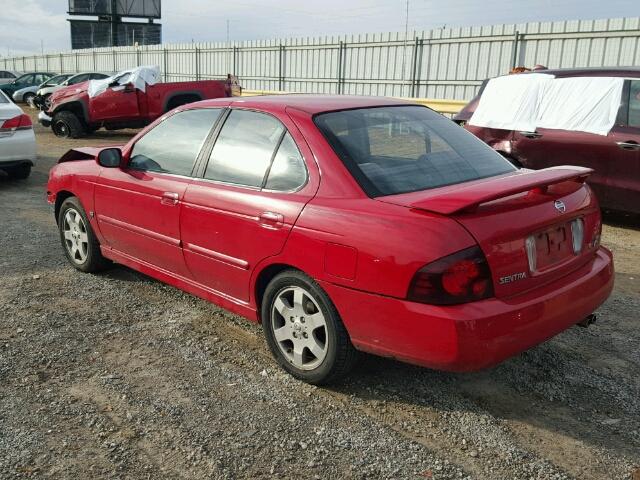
(110, 157)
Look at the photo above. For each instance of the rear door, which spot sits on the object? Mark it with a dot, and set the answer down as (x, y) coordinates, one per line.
(547, 148)
(623, 182)
(138, 207)
(253, 187)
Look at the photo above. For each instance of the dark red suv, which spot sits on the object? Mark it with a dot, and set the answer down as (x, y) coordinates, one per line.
(615, 157)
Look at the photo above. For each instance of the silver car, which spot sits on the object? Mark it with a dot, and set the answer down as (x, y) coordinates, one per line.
(8, 76)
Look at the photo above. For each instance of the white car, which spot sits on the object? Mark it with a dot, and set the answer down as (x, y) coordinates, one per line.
(17, 140)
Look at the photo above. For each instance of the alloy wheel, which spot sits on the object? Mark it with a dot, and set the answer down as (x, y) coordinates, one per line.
(299, 328)
(76, 239)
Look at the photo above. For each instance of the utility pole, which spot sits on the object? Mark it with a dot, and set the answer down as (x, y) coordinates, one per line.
(404, 50)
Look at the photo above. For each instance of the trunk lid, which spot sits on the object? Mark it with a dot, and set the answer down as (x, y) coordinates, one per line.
(504, 213)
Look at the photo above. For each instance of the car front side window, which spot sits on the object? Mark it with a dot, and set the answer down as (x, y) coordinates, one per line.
(244, 149)
(173, 145)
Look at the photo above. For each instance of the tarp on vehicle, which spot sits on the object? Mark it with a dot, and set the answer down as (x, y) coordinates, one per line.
(516, 102)
(139, 77)
(511, 102)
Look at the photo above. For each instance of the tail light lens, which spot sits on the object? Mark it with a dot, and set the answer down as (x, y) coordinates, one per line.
(458, 278)
(577, 235)
(21, 122)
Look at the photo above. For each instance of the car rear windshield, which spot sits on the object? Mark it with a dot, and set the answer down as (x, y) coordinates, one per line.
(3, 98)
(391, 150)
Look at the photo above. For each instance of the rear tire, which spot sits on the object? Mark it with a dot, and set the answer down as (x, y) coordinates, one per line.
(80, 244)
(20, 172)
(66, 124)
(304, 331)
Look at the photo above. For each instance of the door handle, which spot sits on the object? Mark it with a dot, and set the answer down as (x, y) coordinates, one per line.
(530, 134)
(169, 198)
(629, 145)
(271, 220)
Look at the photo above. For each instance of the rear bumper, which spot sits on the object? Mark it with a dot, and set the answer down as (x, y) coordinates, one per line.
(475, 335)
(17, 148)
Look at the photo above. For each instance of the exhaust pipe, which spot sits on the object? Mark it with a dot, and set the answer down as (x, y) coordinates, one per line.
(589, 319)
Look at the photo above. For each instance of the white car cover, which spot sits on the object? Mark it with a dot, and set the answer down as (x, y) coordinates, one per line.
(140, 77)
(582, 104)
(515, 102)
(511, 102)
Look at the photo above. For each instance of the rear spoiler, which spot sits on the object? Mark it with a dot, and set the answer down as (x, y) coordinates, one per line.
(457, 198)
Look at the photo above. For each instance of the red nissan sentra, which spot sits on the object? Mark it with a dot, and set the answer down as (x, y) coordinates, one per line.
(343, 224)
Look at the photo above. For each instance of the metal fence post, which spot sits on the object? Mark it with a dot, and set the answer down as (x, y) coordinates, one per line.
(61, 64)
(77, 69)
(197, 59)
(514, 59)
(164, 64)
(137, 56)
(236, 60)
(414, 67)
(115, 66)
(340, 55)
(281, 68)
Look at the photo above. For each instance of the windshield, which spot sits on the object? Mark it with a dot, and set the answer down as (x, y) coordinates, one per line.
(392, 150)
(57, 80)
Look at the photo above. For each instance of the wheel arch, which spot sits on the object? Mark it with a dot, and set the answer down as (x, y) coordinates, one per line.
(183, 97)
(61, 196)
(262, 279)
(76, 107)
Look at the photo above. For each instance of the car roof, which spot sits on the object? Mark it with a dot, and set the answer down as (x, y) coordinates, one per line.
(311, 103)
(592, 72)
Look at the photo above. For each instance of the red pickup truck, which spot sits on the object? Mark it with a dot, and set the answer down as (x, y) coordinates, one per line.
(73, 113)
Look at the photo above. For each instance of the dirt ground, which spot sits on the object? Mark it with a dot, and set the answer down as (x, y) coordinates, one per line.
(119, 376)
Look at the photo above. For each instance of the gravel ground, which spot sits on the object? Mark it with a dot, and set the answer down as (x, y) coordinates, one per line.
(119, 376)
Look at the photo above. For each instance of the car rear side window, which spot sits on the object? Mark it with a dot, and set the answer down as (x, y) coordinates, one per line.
(391, 150)
(173, 145)
(288, 171)
(244, 148)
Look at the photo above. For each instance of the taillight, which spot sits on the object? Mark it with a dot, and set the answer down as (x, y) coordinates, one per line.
(21, 122)
(458, 278)
(577, 235)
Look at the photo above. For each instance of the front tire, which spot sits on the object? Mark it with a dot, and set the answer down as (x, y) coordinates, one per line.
(66, 124)
(80, 244)
(28, 98)
(304, 331)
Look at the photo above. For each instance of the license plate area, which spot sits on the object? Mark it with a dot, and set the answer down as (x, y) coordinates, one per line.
(552, 247)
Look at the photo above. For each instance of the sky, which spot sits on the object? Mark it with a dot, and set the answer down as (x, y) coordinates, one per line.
(29, 26)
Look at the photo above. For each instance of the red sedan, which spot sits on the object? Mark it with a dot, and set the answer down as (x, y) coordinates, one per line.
(343, 224)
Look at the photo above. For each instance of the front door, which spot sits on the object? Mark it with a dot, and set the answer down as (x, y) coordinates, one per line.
(254, 186)
(138, 206)
(119, 101)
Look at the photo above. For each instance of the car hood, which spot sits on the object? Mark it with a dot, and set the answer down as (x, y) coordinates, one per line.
(69, 91)
(84, 153)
